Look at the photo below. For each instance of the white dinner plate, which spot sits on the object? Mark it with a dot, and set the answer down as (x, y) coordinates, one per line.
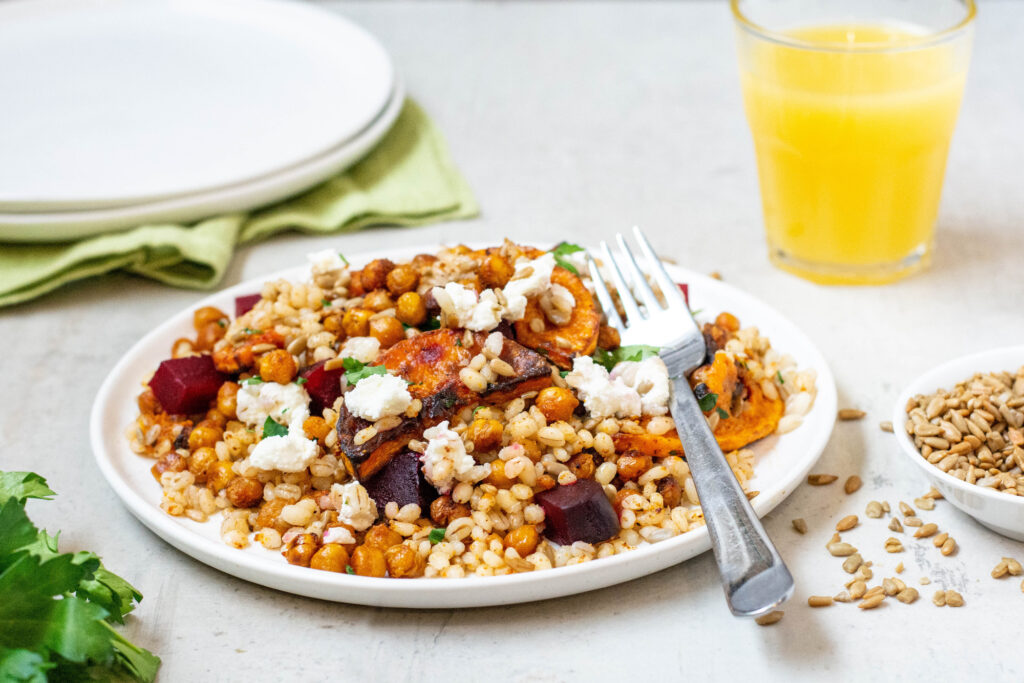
(113, 102)
(781, 464)
(73, 225)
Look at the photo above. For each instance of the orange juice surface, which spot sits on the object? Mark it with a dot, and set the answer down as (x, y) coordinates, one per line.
(851, 145)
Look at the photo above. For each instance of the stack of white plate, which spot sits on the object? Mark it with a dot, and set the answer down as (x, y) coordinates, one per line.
(122, 112)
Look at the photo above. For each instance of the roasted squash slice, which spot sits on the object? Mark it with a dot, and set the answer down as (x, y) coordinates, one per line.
(561, 343)
(721, 378)
(759, 418)
(431, 362)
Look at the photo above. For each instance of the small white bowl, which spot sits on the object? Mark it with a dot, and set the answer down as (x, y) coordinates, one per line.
(1000, 512)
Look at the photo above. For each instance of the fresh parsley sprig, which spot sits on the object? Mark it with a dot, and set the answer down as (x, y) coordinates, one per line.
(562, 250)
(356, 370)
(633, 352)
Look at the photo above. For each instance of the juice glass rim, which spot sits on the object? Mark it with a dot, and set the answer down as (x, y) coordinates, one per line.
(927, 40)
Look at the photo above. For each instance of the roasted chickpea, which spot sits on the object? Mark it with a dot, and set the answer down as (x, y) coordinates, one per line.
(332, 324)
(375, 274)
(200, 461)
(402, 279)
(369, 561)
(404, 562)
(556, 403)
(206, 315)
(670, 490)
(620, 496)
(524, 539)
(218, 475)
(148, 405)
(495, 271)
(270, 515)
(330, 558)
(545, 482)
(182, 347)
(356, 322)
(381, 536)
(411, 309)
(204, 434)
(209, 336)
(388, 331)
(216, 418)
(421, 261)
(244, 492)
(485, 434)
(608, 337)
(497, 476)
(301, 550)
(632, 464)
(378, 300)
(582, 465)
(727, 321)
(315, 428)
(172, 462)
(227, 400)
(444, 510)
(349, 547)
(532, 449)
(277, 366)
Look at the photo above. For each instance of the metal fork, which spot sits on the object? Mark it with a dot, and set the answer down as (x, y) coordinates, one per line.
(754, 576)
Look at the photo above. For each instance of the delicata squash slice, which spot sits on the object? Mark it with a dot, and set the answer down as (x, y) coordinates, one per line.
(561, 343)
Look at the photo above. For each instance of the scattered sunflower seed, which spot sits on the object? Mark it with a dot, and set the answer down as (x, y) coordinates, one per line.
(819, 601)
(851, 414)
(949, 547)
(889, 587)
(940, 539)
(925, 503)
(933, 493)
(872, 602)
(821, 479)
(929, 529)
(770, 618)
(857, 589)
(906, 510)
(1000, 569)
(907, 595)
(852, 485)
(885, 426)
(893, 545)
(874, 509)
(885, 507)
(895, 525)
(954, 599)
(843, 596)
(841, 549)
(800, 525)
(852, 563)
(1013, 566)
(912, 521)
(899, 568)
(924, 581)
(939, 599)
(847, 523)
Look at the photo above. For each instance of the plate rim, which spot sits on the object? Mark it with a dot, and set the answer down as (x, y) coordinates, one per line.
(269, 11)
(465, 592)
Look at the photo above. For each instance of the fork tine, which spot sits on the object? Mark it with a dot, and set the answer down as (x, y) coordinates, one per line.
(673, 297)
(603, 295)
(639, 281)
(625, 295)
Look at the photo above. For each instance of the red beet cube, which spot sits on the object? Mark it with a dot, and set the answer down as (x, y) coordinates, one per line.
(243, 304)
(578, 512)
(686, 292)
(323, 386)
(402, 482)
(186, 385)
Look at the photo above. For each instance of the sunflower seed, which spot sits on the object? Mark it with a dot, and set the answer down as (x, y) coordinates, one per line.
(770, 618)
(846, 523)
(820, 479)
(851, 414)
(819, 601)
(852, 484)
(800, 525)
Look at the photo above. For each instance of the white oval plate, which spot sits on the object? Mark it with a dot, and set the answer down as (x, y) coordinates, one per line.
(1000, 512)
(111, 102)
(73, 225)
(780, 466)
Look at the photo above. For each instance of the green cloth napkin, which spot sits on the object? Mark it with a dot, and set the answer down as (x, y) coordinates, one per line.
(408, 179)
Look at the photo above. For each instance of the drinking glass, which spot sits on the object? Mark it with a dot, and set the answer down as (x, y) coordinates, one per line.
(852, 106)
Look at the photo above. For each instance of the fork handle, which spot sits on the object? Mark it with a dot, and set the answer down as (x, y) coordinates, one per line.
(754, 576)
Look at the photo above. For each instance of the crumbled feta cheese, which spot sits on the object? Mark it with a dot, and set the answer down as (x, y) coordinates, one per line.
(338, 534)
(649, 378)
(286, 403)
(602, 396)
(530, 279)
(325, 261)
(472, 312)
(355, 507)
(378, 396)
(292, 452)
(363, 349)
(445, 459)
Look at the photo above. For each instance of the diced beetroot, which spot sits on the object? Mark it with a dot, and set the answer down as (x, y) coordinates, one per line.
(186, 385)
(243, 304)
(686, 291)
(578, 512)
(402, 482)
(323, 386)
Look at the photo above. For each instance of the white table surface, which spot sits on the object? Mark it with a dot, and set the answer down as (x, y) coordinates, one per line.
(577, 120)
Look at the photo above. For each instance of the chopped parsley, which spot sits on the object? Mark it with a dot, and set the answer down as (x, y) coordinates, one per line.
(255, 379)
(273, 428)
(349, 570)
(436, 535)
(325, 302)
(356, 370)
(222, 322)
(477, 409)
(707, 401)
(778, 373)
(563, 373)
(343, 259)
(722, 414)
(561, 251)
(301, 380)
(249, 330)
(634, 352)
(433, 323)
(458, 342)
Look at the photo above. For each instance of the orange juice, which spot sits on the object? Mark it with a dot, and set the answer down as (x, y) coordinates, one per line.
(851, 129)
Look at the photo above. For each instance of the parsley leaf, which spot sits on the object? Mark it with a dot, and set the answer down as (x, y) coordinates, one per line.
(563, 373)
(634, 352)
(325, 302)
(273, 428)
(343, 259)
(349, 570)
(778, 373)
(436, 535)
(55, 607)
(301, 380)
(433, 323)
(255, 379)
(458, 342)
(249, 330)
(722, 414)
(707, 401)
(356, 370)
(562, 250)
